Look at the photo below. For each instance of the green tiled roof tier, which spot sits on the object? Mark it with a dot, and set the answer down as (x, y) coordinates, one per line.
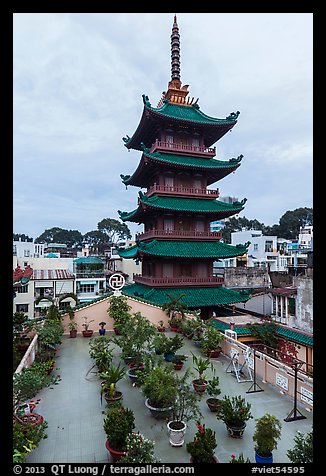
(288, 333)
(183, 249)
(215, 169)
(194, 297)
(215, 208)
(212, 128)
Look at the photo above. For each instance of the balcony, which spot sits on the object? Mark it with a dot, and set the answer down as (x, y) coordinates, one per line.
(178, 281)
(186, 191)
(183, 149)
(179, 235)
(90, 274)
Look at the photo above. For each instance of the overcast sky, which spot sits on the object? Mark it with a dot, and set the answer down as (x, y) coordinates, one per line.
(78, 85)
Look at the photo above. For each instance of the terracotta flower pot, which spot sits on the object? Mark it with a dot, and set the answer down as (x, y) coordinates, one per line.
(115, 455)
(213, 404)
(177, 365)
(199, 385)
(73, 333)
(213, 354)
(214, 460)
(87, 333)
(112, 400)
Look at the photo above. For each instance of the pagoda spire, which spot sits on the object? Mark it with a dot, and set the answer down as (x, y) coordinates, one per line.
(175, 53)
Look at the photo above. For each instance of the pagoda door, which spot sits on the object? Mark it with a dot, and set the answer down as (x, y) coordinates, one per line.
(168, 182)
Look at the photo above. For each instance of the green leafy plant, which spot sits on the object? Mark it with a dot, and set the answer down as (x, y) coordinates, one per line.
(179, 358)
(139, 450)
(201, 365)
(110, 378)
(266, 435)
(160, 387)
(118, 425)
(26, 438)
(172, 344)
(185, 407)
(202, 447)
(213, 387)
(234, 411)
(119, 310)
(212, 339)
(302, 451)
(30, 381)
(87, 323)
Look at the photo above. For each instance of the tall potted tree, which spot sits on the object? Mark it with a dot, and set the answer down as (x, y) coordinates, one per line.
(266, 435)
(184, 408)
(201, 365)
(119, 311)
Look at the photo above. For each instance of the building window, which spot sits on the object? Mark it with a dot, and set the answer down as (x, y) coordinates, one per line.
(268, 247)
(22, 307)
(87, 288)
(26, 253)
(22, 289)
(255, 246)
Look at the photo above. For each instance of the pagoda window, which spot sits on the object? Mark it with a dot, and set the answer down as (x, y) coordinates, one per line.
(201, 270)
(169, 182)
(195, 141)
(200, 225)
(168, 224)
(185, 269)
(197, 183)
(167, 270)
(169, 137)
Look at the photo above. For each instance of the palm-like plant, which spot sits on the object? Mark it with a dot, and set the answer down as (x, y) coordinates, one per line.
(109, 380)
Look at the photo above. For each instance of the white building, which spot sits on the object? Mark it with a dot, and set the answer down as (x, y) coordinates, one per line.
(262, 251)
(28, 249)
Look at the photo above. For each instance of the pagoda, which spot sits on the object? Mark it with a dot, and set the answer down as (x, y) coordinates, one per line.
(177, 164)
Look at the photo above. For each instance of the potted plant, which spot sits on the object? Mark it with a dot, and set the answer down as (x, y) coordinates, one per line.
(108, 385)
(161, 326)
(239, 459)
(159, 386)
(171, 345)
(178, 361)
(73, 326)
(201, 365)
(211, 341)
(266, 435)
(201, 449)
(176, 310)
(184, 408)
(118, 425)
(159, 343)
(87, 332)
(302, 451)
(101, 330)
(119, 311)
(213, 391)
(234, 412)
(139, 450)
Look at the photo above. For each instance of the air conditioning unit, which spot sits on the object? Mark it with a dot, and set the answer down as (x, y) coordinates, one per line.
(231, 334)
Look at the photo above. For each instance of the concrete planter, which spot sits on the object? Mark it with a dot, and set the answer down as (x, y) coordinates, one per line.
(177, 430)
(159, 413)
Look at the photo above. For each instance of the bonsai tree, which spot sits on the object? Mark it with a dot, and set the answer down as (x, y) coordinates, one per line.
(201, 365)
(175, 309)
(102, 324)
(118, 425)
(302, 451)
(171, 345)
(87, 332)
(202, 448)
(139, 450)
(213, 390)
(266, 435)
(234, 412)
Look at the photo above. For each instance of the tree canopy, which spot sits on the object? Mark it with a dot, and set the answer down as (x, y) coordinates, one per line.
(114, 229)
(72, 238)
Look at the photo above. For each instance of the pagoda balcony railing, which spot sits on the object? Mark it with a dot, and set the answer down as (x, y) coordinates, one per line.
(188, 191)
(179, 281)
(178, 148)
(180, 234)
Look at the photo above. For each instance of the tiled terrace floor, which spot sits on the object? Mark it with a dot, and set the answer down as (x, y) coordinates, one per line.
(74, 413)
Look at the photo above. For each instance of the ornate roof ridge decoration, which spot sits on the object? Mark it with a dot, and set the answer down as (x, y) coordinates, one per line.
(241, 203)
(236, 160)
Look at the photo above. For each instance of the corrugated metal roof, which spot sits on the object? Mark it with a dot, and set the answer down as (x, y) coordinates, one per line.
(52, 274)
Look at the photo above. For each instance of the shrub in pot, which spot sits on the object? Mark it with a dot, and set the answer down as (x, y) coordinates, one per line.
(118, 425)
(161, 326)
(302, 451)
(178, 361)
(266, 435)
(213, 391)
(139, 450)
(184, 408)
(234, 412)
(159, 343)
(211, 342)
(73, 326)
(171, 346)
(202, 447)
(119, 311)
(159, 386)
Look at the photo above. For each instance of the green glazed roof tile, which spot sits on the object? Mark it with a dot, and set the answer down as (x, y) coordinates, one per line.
(183, 249)
(194, 297)
(184, 205)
